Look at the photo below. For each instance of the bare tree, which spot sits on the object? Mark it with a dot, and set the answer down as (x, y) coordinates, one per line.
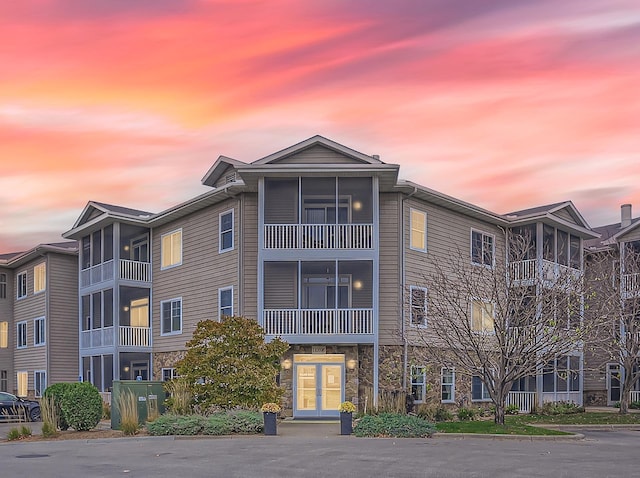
(613, 307)
(502, 320)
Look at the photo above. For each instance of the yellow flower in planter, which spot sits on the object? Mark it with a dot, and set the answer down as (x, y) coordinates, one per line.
(270, 408)
(347, 407)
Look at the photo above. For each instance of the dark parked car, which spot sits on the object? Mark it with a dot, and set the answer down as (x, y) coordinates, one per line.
(12, 407)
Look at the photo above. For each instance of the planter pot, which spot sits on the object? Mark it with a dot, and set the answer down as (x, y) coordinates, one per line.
(270, 423)
(346, 423)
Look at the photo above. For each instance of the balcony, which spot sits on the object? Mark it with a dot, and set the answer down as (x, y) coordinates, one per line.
(526, 272)
(630, 285)
(96, 338)
(318, 236)
(127, 337)
(127, 270)
(324, 322)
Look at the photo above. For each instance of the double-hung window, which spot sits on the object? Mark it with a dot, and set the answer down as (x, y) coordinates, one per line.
(226, 231)
(4, 334)
(40, 382)
(479, 391)
(21, 285)
(225, 301)
(171, 246)
(482, 248)
(40, 277)
(21, 334)
(171, 311)
(23, 383)
(3, 286)
(168, 374)
(418, 226)
(418, 383)
(482, 320)
(447, 385)
(418, 306)
(4, 381)
(39, 331)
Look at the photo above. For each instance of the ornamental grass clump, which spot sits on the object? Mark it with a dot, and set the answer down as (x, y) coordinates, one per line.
(50, 417)
(180, 397)
(128, 407)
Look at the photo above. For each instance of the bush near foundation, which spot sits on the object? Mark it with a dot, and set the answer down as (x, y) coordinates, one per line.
(220, 423)
(81, 406)
(393, 425)
(56, 392)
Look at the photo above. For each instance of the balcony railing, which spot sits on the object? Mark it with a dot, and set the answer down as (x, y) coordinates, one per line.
(96, 338)
(525, 401)
(634, 396)
(127, 270)
(527, 270)
(318, 236)
(630, 285)
(318, 321)
(134, 336)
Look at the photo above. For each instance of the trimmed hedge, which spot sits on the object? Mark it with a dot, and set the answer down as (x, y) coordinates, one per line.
(81, 406)
(393, 425)
(219, 423)
(57, 391)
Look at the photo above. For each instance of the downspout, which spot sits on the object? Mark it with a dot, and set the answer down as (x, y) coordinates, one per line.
(403, 285)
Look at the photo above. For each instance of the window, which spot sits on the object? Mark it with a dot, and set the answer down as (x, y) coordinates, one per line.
(418, 224)
(225, 301)
(23, 383)
(418, 306)
(168, 374)
(482, 248)
(21, 285)
(479, 390)
(40, 277)
(447, 382)
(418, 383)
(4, 381)
(39, 331)
(39, 382)
(482, 316)
(562, 375)
(4, 335)
(3, 286)
(171, 249)
(171, 311)
(21, 335)
(226, 231)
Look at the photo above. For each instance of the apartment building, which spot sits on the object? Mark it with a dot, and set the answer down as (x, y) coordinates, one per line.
(38, 318)
(326, 248)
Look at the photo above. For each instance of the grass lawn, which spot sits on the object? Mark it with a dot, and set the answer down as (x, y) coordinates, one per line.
(520, 424)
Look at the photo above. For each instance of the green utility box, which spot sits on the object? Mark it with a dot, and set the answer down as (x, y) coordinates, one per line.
(149, 397)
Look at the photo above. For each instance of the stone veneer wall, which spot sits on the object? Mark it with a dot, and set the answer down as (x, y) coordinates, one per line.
(165, 360)
(597, 398)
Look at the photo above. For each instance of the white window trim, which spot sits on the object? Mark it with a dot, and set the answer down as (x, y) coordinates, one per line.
(220, 291)
(36, 273)
(420, 249)
(220, 231)
(26, 375)
(493, 248)
(423, 383)
(482, 391)
(173, 373)
(26, 291)
(426, 295)
(452, 384)
(3, 285)
(173, 332)
(493, 308)
(35, 389)
(170, 266)
(44, 331)
(26, 333)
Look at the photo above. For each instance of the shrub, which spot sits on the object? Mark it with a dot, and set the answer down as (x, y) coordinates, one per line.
(559, 408)
(245, 421)
(512, 409)
(106, 411)
(219, 423)
(426, 412)
(466, 414)
(393, 425)
(179, 400)
(81, 406)
(13, 434)
(50, 418)
(25, 431)
(128, 408)
(634, 405)
(442, 415)
(57, 392)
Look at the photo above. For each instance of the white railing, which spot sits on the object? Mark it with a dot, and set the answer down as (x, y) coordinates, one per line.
(135, 336)
(96, 274)
(524, 400)
(523, 270)
(318, 236)
(527, 270)
(135, 270)
(96, 338)
(630, 284)
(634, 396)
(318, 321)
(106, 397)
(571, 397)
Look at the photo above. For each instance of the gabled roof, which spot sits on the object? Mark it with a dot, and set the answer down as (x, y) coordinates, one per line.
(551, 213)
(315, 141)
(612, 233)
(18, 258)
(97, 212)
(219, 167)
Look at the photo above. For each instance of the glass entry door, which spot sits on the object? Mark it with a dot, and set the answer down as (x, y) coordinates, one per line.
(318, 388)
(613, 383)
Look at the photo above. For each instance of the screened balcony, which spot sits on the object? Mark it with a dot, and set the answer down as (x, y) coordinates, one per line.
(318, 299)
(318, 213)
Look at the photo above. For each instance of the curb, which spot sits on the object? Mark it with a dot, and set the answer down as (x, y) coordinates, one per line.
(575, 436)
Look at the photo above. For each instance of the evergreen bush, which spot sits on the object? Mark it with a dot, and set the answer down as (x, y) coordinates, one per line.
(393, 425)
(57, 392)
(81, 406)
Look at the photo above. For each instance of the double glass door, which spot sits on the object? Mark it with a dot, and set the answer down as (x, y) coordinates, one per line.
(319, 389)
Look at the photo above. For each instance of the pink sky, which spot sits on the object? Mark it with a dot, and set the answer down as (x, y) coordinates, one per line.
(503, 104)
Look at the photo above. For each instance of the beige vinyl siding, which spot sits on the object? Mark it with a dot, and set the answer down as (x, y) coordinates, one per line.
(633, 235)
(6, 315)
(203, 271)
(248, 242)
(390, 293)
(281, 285)
(62, 320)
(318, 155)
(566, 215)
(448, 234)
(223, 177)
